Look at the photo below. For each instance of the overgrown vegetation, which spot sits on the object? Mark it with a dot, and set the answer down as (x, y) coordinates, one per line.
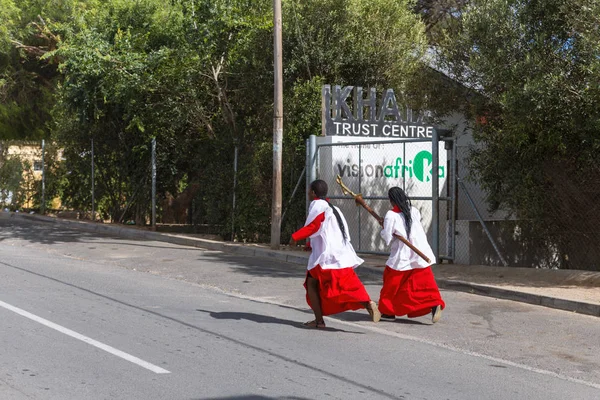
(197, 76)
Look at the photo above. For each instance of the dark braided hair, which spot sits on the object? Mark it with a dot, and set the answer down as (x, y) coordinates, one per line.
(320, 188)
(400, 199)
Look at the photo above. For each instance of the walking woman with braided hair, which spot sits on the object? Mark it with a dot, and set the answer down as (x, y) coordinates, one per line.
(331, 284)
(409, 287)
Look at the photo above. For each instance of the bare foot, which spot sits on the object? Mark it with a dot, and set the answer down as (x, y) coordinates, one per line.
(315, 324)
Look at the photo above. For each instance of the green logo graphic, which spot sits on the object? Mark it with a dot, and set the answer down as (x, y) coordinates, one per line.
(420, 167)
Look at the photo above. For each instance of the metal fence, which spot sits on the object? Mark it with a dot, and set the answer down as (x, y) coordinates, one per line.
(453, 208)
(372, 167)
(74, 185)
(455, 212)
(478, 233)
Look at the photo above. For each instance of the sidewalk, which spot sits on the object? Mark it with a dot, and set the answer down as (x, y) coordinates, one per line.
(570, 290)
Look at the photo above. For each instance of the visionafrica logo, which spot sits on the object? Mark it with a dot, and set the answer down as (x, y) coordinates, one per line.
(420, 167)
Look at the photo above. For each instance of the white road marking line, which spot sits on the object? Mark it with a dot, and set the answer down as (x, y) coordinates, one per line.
(85, 339)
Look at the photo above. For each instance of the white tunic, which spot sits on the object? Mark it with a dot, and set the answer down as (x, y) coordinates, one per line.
(402, 257)
(328, 247)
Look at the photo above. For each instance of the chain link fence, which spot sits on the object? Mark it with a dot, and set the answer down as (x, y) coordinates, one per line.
(90, 182)
(213, 189)
(371, 169)
(566, 239)
(87, 182)
(469, 233)
(478, 232)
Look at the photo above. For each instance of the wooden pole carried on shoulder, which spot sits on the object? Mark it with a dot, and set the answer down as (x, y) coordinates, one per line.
(361, 202)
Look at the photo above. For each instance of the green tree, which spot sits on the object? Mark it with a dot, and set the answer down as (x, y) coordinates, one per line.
(537, 64)
(197, 75)
(11, 179)
(28, 30)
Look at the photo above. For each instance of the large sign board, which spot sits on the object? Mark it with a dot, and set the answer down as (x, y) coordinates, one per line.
(353, 112)
(378, 166)
(371, 169)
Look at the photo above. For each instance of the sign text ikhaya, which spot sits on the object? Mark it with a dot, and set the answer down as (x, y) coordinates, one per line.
(367, 117)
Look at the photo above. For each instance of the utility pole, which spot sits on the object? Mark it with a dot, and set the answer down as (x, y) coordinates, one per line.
(43, 178)
(93, 188)
(277, 127)
(153, 156)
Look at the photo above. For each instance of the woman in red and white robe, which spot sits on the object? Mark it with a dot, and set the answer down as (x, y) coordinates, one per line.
(409, 287)
(331, 284)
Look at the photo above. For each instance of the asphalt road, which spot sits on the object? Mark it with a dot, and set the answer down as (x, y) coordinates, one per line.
(96, 317)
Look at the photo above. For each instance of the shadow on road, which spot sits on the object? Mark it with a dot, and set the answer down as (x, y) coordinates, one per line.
(265, 319)
(361, 317)
(48, 233)
(45, 232)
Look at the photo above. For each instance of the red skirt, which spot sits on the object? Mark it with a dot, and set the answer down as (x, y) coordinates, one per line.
(412, 293)
(339, 289)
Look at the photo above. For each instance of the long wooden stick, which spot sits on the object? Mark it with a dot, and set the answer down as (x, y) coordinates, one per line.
(361, 202)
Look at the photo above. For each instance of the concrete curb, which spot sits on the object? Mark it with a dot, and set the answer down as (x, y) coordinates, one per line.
(523, 297)
(302, 259)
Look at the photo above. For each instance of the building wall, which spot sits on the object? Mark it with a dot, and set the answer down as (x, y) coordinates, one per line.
(512, 240)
